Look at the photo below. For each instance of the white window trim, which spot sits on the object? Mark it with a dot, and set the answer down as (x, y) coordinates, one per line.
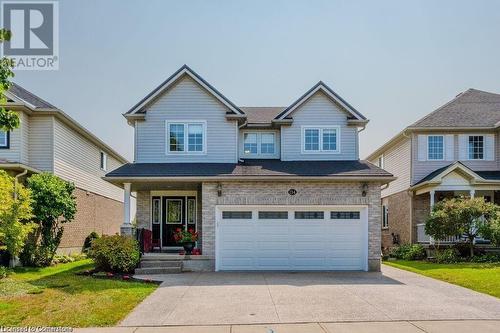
(381, 161)
(186, 145)
(444, 148)
(104, 160)
(320, 151)
(259, 142)
(467, 148)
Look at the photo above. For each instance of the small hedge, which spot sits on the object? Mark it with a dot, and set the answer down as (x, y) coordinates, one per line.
(118, 254)
(409, 252)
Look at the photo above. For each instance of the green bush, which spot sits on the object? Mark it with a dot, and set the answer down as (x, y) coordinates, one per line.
(409, 252)
(116, 253)
(64, 258)
(88, 241)
(487, 258)
(3, 272)
(447, 256)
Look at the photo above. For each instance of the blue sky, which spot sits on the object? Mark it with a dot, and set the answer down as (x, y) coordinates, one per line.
(395, 61)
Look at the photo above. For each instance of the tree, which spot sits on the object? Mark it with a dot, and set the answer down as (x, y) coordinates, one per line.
(15, 210)
(461, 216)
(9, 120)
(53, 205)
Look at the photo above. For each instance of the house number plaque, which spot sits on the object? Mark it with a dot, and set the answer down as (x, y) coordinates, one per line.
(292, 191)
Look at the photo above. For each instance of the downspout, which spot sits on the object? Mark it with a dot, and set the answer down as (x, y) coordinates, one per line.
(16, 181)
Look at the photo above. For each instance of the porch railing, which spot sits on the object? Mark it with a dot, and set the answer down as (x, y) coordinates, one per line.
(422, 237)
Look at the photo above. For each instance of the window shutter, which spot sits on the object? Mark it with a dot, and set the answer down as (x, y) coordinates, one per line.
(422, 147)
(489, 147)
(462, 147)
(449, 147)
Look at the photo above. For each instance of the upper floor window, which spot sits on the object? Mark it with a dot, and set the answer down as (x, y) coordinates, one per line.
(104, 160)
(259, 143)
(476, 147)
(186, 137)
(320, 139)
(435, 147)
(4, 139)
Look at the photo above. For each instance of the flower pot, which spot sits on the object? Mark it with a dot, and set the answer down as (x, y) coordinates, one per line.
(188, 247)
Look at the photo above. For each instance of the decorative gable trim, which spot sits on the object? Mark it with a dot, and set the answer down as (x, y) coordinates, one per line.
(184, 70)
(320, 86)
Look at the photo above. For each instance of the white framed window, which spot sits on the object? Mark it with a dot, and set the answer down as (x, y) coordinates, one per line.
(475, 147)
(4, 139)
(186, 137)
(259, 143)
(320, 139)
(104, 161)
(380, 161)
(385, 217)
(435, 147)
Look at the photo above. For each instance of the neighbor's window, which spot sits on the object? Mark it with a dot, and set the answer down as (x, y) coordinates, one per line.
(435, 147)
(259, 143)
(385, 217)
(321, 139)
(309, 215)
(186, 137)
(476, 147)
(4, 139)
(104, 161)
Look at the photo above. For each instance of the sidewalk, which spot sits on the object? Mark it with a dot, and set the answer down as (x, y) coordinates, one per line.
(457, 326)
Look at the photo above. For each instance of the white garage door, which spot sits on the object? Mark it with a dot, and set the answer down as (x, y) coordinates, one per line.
(291, 238)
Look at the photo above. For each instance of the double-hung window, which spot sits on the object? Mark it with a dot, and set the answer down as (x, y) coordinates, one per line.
(259, 143)
(4, 140)
(321, 139)
(186, 137)
(475, 148)
(435, 147)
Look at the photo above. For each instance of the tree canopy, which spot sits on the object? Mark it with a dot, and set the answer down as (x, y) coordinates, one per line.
(8, 119)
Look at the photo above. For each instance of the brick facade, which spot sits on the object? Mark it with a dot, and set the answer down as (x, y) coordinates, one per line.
(399, 206)
(94, 213)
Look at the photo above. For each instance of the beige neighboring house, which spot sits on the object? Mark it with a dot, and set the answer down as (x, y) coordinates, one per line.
(49, 140)
(452, 151)
(267, 188)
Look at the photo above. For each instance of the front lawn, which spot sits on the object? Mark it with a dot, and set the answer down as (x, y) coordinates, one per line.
(484, 278)
(55, 296)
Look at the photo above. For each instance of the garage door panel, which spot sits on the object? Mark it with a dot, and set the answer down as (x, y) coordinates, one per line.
(293, 244)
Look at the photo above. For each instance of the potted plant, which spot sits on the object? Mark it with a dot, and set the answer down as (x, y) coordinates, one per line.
(187, 238)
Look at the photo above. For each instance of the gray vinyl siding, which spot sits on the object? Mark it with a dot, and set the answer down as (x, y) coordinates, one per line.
(186, 101)
(41, 140)
(423, 168)
(319, 110)
(397, 160)
(77, 159)
(277, 144)
(14, 152)
(25, 130)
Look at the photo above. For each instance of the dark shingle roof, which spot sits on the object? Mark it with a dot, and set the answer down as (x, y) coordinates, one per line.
(472, 108)
(261, 115)
(29, 97)
(432, 174)
(487, 175)
(252, 168)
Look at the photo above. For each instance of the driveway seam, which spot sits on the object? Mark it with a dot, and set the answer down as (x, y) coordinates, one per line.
(272, 299)
(420, 328)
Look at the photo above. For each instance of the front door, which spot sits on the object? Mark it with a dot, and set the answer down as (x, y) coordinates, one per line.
(178, 212)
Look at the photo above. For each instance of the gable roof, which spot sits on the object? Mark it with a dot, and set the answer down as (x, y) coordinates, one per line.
(438, 174)
(165, 85)
(321, 86)
(261, 115)
(21, 95)
(470, 109)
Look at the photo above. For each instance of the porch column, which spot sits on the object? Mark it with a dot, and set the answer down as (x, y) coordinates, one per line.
(126, 228)
(472, 193)
(432, 198)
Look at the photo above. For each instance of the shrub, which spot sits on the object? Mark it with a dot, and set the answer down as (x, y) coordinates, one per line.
(116, 253)
(88, 241)
(3, 272)
(64, 258)
(447, 256)
(409, 252)
(487, 258)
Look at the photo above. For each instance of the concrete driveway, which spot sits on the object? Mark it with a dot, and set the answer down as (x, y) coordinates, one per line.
(249, 298)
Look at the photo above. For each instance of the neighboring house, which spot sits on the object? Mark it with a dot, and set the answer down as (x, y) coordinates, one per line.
(452, 151)
(267, 188)
(49, 140)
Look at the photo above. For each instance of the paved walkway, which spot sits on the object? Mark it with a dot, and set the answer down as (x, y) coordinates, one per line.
(254, 298)
(464, 326)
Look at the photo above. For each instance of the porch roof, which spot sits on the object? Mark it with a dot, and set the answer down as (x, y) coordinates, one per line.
(251, 169)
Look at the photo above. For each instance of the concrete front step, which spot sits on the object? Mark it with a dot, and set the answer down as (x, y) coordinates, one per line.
(158, 270)
(160, 263)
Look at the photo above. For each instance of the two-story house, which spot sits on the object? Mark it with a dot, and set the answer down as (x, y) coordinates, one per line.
(267, 188)
(48, 140)
(453, 151)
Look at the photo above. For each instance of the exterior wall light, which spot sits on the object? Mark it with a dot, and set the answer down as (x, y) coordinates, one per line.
(219, 189)
(364, 188)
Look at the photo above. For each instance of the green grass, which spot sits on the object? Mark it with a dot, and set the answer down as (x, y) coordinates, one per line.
(56, 296)
(484, 278)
